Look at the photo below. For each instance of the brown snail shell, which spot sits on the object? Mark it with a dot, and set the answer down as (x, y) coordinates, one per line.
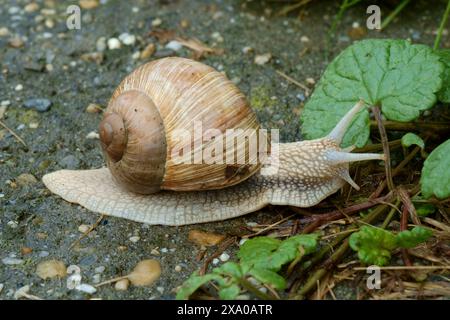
(138, 130)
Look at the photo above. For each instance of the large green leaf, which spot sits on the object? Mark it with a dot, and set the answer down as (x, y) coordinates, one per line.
(435, 180)
(401, 77)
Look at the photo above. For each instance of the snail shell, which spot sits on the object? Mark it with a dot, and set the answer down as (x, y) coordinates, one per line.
(151, 106)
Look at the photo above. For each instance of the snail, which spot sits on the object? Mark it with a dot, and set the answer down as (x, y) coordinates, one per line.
(145, 182)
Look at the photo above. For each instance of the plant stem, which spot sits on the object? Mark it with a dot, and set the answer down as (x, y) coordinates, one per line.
(378, 146)
(251, 288)
(437, 41)
(385, 143)
(394, 13)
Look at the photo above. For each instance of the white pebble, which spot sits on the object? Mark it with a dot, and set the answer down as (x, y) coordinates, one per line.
(247, 49)
(155, 252)
(310, 81)
(1, 287)
(215, 261)
(101, 44)
(83, 228)
(19, 87)
(100, 269)
(224, 257)
(135, 239)
(12, 261)
(177, 268)
(174, 45)
(5, 103)
(43, 254)
(217, 36)
(304, 39)
(164, 250)
(242, 241)
(156, 22)
(262, 58)
(86, 288)
(113, 43)
(122, 285)
(96, 278)
(160, 290)
(13, 224)
(127, 39)
(355, 25)
(92, 135)
(20, 126)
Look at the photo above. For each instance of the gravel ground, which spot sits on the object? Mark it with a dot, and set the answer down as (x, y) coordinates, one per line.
(70, 69)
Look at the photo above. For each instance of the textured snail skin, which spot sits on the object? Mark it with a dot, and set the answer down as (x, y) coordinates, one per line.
(308, 172)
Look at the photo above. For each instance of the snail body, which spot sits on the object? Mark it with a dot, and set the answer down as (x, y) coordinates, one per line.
(145, 183)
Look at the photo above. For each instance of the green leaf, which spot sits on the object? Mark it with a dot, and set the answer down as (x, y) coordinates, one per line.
(229, 268)
(194, 282)
(401, 77)
(411, 238)
(229, 293)
(435, 180)
(268, 277)
(410, 139)
(373, 245)
(444, 93)
(272, 254)
(424, 209)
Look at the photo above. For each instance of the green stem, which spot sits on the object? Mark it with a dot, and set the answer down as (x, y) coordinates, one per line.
(437, 41)
(394, 13)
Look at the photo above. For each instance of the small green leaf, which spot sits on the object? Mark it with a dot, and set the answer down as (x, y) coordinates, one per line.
(373, 245)
(435, 180)
(268, 277)
(229, 293)
(272, 254)
(401, 77)
(424, 209)
(444, 93)
(411, 238)
(410, 139)
(229, 268)
(194, 282)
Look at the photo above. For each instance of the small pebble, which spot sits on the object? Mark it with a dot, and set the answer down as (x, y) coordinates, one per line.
(5, 103)
(1, 287)
(12, 261)
(155, 252)
(13, 224)
(93, 108)
(25, 179)
(135, 239)
(174, 45)
(13, 10)
(242, 241)
(160, 289)
(86, 288)
(310, 81)
(215, 261)
(100, 269)
(101, 44)
(127, 39)
(164, 250)
(122, 285)
(83, 228)
(26, 250)
(113, 43)
(217, 36)
(19, 87)
(39, 104)
(51, 269)
(88, 4)
(148, 51)
(16, 42)
(304, 39)
(247, 50)
(262, 58)
(33, 125)
(43, 254)
(145, 273)
(224, 257)
(92, 135)
(31, 7)
(96, 278)
(156, 22)
(177, 268)
(4, 32)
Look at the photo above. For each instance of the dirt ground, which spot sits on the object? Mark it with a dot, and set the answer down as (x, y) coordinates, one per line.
(41, 58)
